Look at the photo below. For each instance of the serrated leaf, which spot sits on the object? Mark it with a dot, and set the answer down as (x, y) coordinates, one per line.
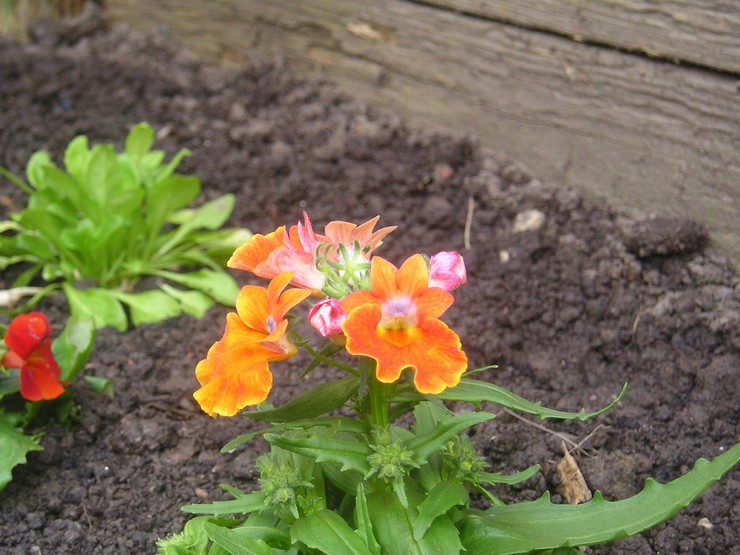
(349, 453)
(540, 524)
(100, 304)
(317, 401)
(477, 392)
(329, 533)
(14, 445)
(73, 346)
(339, 423)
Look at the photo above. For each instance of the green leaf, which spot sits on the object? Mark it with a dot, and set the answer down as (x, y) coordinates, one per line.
(101, 304)
(424, 445)
(73, 346)
(363, 522)
(216, 284)
(211, 215)
(194, 303)
(533, 525)
(149, 307)
(14, 445)
(509, 479)
(77, 157)
(167, 195)
(438, 501)
(394, 527)
(328, 532)
(339, 423)
(350, 453)
(240, 506)
(476, 392)
(317, 401)
(102, 386)
(139, 141)
(36, 167)
(235, 543)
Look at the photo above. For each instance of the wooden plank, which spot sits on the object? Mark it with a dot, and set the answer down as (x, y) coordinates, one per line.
(703, 32)
(650, 136)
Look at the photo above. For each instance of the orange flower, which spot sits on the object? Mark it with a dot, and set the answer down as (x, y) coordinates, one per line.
(297, 250)
(236, 374)
(396, 323)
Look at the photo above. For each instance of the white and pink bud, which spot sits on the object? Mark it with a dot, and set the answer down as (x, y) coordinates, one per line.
(327, 317)
(447, 270)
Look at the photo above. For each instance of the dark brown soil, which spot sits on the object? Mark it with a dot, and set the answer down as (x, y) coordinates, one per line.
(569, 311)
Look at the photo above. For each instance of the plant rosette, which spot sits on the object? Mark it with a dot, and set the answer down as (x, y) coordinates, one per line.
(108, 220)
(35, 370)
(376, 462)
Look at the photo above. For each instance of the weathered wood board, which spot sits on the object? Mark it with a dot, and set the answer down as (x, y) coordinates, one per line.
(701, 32)
(651, 136)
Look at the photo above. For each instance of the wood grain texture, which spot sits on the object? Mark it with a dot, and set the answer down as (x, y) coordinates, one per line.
(652, 137)
(703, 32)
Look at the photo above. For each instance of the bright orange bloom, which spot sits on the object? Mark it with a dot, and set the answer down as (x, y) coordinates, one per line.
(236, 374)
(396, 323)
(298, 250)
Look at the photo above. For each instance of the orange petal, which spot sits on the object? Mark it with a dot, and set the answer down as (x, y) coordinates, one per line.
(235, 373)
(255, 251)
(231, 380)
(413, 276)
(431, 348)
(433, 302)
(252, 305)
(383, 278)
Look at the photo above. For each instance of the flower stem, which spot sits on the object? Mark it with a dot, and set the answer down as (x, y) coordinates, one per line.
(377, 395)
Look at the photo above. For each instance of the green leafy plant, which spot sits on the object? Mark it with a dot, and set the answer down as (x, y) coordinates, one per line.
(377, 462)
(34, 371)
(107, 220)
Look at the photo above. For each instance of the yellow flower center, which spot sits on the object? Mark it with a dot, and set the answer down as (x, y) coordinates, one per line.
(398, 321)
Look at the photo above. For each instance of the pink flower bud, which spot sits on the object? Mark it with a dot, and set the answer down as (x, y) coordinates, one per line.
(447, 271)
(327, 317)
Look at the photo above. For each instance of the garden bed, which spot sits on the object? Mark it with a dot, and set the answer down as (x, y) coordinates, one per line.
(569, 311)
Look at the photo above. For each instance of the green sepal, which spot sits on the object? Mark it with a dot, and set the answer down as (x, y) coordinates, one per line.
(540, 524)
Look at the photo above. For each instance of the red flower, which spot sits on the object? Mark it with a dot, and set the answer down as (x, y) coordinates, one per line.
(29, 342)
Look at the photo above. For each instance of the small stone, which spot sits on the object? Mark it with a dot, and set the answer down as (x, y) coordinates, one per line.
(202, 494)
(705, 523)
(504, 256)
(528, 220)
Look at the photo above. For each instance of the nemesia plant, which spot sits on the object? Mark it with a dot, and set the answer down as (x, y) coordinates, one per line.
(33, 370)
(375, 462)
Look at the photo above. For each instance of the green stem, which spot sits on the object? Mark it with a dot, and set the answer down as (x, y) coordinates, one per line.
(377, 395)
